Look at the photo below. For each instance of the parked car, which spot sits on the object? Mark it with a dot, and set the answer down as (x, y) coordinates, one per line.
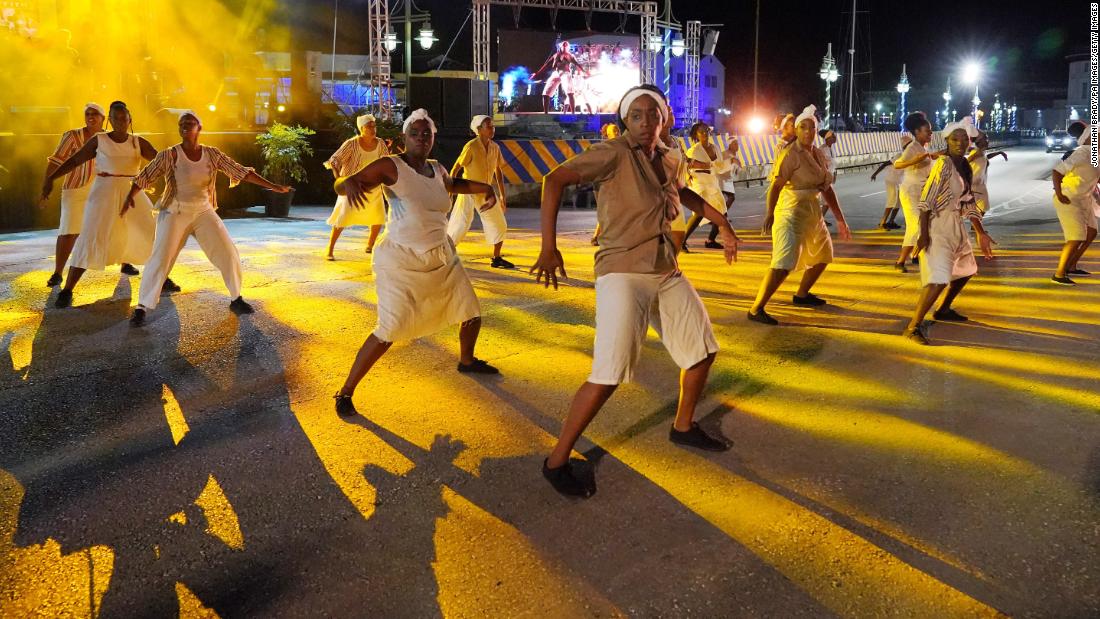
(1060, 140)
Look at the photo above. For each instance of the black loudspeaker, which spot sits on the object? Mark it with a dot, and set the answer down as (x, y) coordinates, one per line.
(710, 42)
(452, 102)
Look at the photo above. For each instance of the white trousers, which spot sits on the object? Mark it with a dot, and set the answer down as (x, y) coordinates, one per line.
(462, 216)
(172, 232)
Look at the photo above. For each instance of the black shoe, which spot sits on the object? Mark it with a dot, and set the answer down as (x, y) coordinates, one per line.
(916, 260)
(713, 245)
(696, 437)
(64, 299)
(170, 286)
(240, 306)
(949, 315)
(684, 248)
(810, 299)
(128, 269)
(892, 226)
(1065, 281)
(565, 482)
(900, 267)
(138, 317)
(501, 263)
(54, 280)
(1077, 272)
(917, 335)
(828, 224)
(762, 317)
(477, 367)
(344, 407)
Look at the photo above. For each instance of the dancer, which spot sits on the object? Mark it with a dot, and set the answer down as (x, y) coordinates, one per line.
(1075, 182)
(480, 161)
(706, 165)
(891, 178)
(795, 219)
(188, 208)
(354, 155)
(676, 169)
(107, 238)
(74, 192)
(421, 285)
(828, 139)
(638, 282)
(915, 162)
(947, 258)
(609, 131)
(559, 64)
(979, 165)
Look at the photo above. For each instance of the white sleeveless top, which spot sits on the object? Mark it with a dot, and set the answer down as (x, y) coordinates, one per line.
(915, 174)
(192, 180)
(418, 207)
(117, 159)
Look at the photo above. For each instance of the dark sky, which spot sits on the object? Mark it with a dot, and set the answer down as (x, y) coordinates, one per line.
(1021, 42)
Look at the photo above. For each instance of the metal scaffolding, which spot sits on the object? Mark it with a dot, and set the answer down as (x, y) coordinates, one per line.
(692, 42)
(647, 10)
(381, 84)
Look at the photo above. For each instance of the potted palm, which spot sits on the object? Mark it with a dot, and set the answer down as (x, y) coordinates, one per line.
(283, 148)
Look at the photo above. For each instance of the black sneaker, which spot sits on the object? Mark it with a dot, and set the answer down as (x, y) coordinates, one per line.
(64, 299)
(1065, 281)
(170, 286)
(916, 260)
(900, 267)
(810, 299)
(344, 407)
(240, 306)
(565, 482)
(501, 263)
(54, 280)
(128, 269)
(696, 437)
(949, 315)
(477, 367)
(892, 226)
(917, 335)
(138, 317)
(684, 248)
(762, 317)
(1078, 272)
(713, 245)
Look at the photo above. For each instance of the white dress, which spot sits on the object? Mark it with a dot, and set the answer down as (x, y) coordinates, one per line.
(980, 169)
(949, 255)
(707, 183)
(912, 181)
(347, 160)
(1079, 180)
(891, 177)
(422, 287)
(106, 238)
(799, 237)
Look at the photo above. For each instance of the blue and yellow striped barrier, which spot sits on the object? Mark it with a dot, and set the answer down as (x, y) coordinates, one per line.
(527, 161)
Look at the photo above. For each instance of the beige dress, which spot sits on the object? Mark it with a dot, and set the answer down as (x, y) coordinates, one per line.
(949, 255)
(347, 160)
(912, 181)
(799, 237)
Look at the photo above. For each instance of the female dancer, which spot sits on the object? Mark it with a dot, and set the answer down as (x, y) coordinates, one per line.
(891, 179)
(915, 161)
(107, 238)
(354, 155)
(795, 220)
(979, 165)
(945, 204)
(706, 165)
(480, 161)
(422, 287)
(74, 192)
(1075, 181)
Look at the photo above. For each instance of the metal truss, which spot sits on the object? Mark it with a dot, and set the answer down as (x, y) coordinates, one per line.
(692, 42)
(381, 81)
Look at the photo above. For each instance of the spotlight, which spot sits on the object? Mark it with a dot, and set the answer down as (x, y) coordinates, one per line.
(212, 107)
(756, 124)
(281, 108)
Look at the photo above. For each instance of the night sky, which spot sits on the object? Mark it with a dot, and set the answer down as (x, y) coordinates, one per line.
(1021, 42)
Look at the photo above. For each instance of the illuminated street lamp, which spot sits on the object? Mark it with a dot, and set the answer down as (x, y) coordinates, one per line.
(972, 74)
(426, 37)
(946, 102)
(390, 40)
(878, 112)
(655, 43)
(828, 74)
(677, 47)
(903, 87)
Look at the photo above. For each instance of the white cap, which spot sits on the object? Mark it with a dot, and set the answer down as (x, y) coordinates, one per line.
(476, 122)
(633, 94)
(966, 124)
(360, 121)
(419, 114)
(809, 112)
(95, 106)
(190, 113)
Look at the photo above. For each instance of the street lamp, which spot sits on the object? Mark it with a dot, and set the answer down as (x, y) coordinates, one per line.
(426, 37)
(903, 87)
(677, 47)
(878, 112)
(946, 102)
(828, 74)
(389, 40)
(655, 43)
(972, 74)
(996, 125)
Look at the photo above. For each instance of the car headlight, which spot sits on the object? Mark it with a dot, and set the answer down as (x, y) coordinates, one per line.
(1050, 142)
(1067, 141)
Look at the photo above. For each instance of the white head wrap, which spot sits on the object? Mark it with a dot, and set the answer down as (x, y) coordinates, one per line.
(906, 138)
(1084, 139)
(95, 106)
(190, 113)
(419, 114)
(476, 122)
(966, 124)
(633, 94)
(810, 112)
(361, 121)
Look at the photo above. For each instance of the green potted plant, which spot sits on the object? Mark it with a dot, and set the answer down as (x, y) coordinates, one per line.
(283, 148)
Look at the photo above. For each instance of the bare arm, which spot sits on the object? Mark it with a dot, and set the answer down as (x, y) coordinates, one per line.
(1057, 177)
(80, 157)
(901, 164)
(256, 179)
(379, 172)
(881, 167)
(550, 263)
(999, 152)
(833, 203)
(147, 150)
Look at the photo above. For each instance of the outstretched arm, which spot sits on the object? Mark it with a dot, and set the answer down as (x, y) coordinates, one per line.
(380, 172)
(147, 150)
(833, 203)
(881, 167)
(550, 263)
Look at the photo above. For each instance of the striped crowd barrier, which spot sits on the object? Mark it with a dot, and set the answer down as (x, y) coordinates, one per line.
(527, 161)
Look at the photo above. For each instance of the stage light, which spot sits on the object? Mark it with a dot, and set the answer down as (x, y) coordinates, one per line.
(212, 107)
(756, 124)
(281, 108)
(677, 46)
(655, 43)
(426, 37)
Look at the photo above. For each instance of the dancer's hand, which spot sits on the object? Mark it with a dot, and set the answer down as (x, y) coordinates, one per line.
(843, 232)
(357, 196)
(127, 205)
(986, 242)
(547, 268)
(873, 176)
(281, 188)
(1062, 198)
(490, 202)
(769, 221)
(729, 242)
(922, 242)
(47, 189)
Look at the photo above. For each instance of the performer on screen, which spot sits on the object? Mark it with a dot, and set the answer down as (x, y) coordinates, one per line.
(558, 64)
